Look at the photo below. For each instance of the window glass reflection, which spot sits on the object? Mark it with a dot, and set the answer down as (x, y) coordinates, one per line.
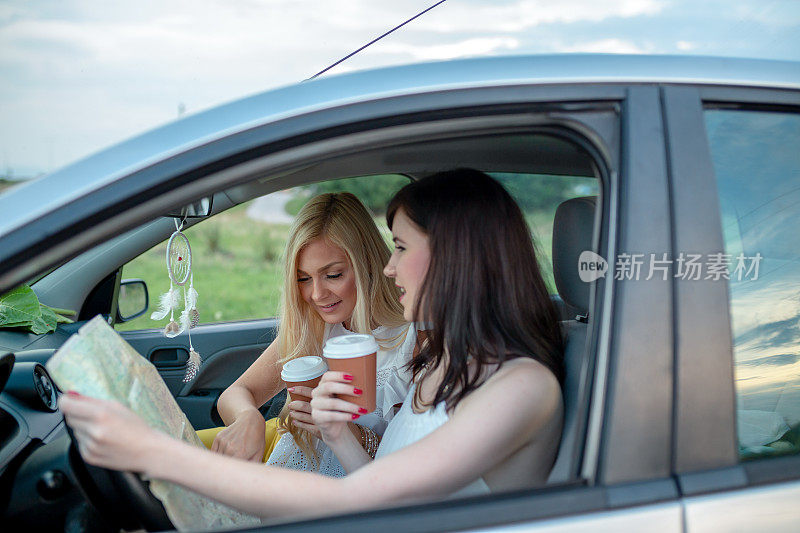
(756, 157)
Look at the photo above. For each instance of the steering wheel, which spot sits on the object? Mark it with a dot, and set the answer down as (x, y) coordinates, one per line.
(121, 498)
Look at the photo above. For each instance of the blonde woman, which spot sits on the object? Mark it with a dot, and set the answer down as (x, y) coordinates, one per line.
(333, 284)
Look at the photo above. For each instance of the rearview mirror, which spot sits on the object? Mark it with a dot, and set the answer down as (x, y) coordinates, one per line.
(198, 209)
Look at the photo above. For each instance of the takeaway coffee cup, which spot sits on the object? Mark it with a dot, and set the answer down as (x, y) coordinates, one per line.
(355, 355)
(305, 371)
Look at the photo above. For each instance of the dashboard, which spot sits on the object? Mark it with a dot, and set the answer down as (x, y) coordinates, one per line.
(37, 486)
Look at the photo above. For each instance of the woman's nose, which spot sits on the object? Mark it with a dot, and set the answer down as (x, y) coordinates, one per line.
(319, 291)
(388, 270)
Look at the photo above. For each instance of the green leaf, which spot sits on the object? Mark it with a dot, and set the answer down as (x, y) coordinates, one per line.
(46, 323)
(26, 324)
(19, 305)
(21, 309)
(63, 319)
(65, 312)
(62, 314)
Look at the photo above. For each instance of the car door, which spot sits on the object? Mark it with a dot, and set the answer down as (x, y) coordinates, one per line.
(621, 473)
(736, 175)
(621, 469)
(227, 348)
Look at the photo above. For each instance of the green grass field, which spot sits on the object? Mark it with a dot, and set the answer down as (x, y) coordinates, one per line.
(237, 267)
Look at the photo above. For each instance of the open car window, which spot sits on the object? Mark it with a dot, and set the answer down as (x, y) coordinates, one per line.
(237, 254)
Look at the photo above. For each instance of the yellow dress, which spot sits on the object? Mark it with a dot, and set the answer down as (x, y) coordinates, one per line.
(271, 436)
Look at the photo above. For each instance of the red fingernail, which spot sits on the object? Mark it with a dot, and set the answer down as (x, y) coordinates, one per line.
(290, 389)
(362, 411)
(348, 377)
(357, 391)
(72, 393)
(356, 416)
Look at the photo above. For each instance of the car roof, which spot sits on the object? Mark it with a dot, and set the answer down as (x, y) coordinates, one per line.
(31, 200)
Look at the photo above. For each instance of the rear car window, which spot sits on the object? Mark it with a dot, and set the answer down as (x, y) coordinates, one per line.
(757, 164)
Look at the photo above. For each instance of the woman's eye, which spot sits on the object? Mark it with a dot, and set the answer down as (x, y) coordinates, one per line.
(303, 280)
(399, 248)
(334, 276)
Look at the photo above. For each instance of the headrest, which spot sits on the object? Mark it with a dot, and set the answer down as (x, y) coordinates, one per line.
(572, 234)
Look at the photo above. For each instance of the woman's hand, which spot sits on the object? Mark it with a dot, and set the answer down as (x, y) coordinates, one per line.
(109, 434)
(300, 411)
(244, 438)
(331, 414)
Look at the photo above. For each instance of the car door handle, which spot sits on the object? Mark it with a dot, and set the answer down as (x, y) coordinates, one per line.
(169, 357)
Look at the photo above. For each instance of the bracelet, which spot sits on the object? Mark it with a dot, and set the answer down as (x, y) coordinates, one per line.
(369, 440)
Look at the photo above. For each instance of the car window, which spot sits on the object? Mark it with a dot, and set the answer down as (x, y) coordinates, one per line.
(539, 195)
(757, 164)
(236, 255)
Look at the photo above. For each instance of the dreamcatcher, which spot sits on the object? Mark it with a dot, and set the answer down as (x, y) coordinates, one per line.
(179, 268)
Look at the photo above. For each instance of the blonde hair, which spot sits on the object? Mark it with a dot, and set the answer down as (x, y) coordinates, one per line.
(341, 219)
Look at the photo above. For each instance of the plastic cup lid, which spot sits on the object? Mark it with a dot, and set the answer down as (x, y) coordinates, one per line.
(349, 346)
(303, 368)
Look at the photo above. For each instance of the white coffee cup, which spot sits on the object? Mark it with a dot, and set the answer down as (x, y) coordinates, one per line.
(305, 371)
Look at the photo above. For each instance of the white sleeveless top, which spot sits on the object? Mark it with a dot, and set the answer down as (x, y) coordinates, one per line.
(407, 427)
(392, 383)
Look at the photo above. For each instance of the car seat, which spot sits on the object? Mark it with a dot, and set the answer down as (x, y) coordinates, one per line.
(572, 234)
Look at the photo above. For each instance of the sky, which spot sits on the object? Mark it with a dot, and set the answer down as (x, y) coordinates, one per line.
(79, 75)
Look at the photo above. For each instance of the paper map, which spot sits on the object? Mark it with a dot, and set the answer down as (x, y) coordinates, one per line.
(97, 362)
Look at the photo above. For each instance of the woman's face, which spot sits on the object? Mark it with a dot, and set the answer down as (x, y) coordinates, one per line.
(327, 281)
(409, 262)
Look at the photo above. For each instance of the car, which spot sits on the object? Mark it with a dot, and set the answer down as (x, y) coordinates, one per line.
(674, 261)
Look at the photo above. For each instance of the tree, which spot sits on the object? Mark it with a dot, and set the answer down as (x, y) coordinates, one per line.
(373, 191)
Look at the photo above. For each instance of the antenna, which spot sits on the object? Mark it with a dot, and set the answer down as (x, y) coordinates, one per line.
(351, 54)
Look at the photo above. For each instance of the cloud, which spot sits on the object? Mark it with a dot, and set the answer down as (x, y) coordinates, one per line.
(105, 74)
(463, 48)
(607, 46)
(9, 11)
(521, 15)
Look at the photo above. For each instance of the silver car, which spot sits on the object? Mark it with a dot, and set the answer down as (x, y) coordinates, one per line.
(673, 247)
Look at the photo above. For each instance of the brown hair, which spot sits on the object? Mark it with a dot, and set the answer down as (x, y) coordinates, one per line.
(483, 295)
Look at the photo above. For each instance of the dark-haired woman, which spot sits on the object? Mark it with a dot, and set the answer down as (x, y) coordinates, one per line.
(465, 265)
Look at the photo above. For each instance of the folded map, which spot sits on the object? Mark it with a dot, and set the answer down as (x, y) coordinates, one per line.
(97, 362)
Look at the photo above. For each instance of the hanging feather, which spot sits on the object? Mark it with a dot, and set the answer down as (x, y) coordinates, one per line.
(194, 318)
(168, 302)
(191, 304)
(191, 297)
(192, 366)
(185, 320)
(173, 329)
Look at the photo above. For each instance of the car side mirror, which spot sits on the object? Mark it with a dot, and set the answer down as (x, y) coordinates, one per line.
(133, 299)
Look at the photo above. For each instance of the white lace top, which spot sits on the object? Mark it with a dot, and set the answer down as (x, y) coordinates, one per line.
(392, 384)
(407, 427)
